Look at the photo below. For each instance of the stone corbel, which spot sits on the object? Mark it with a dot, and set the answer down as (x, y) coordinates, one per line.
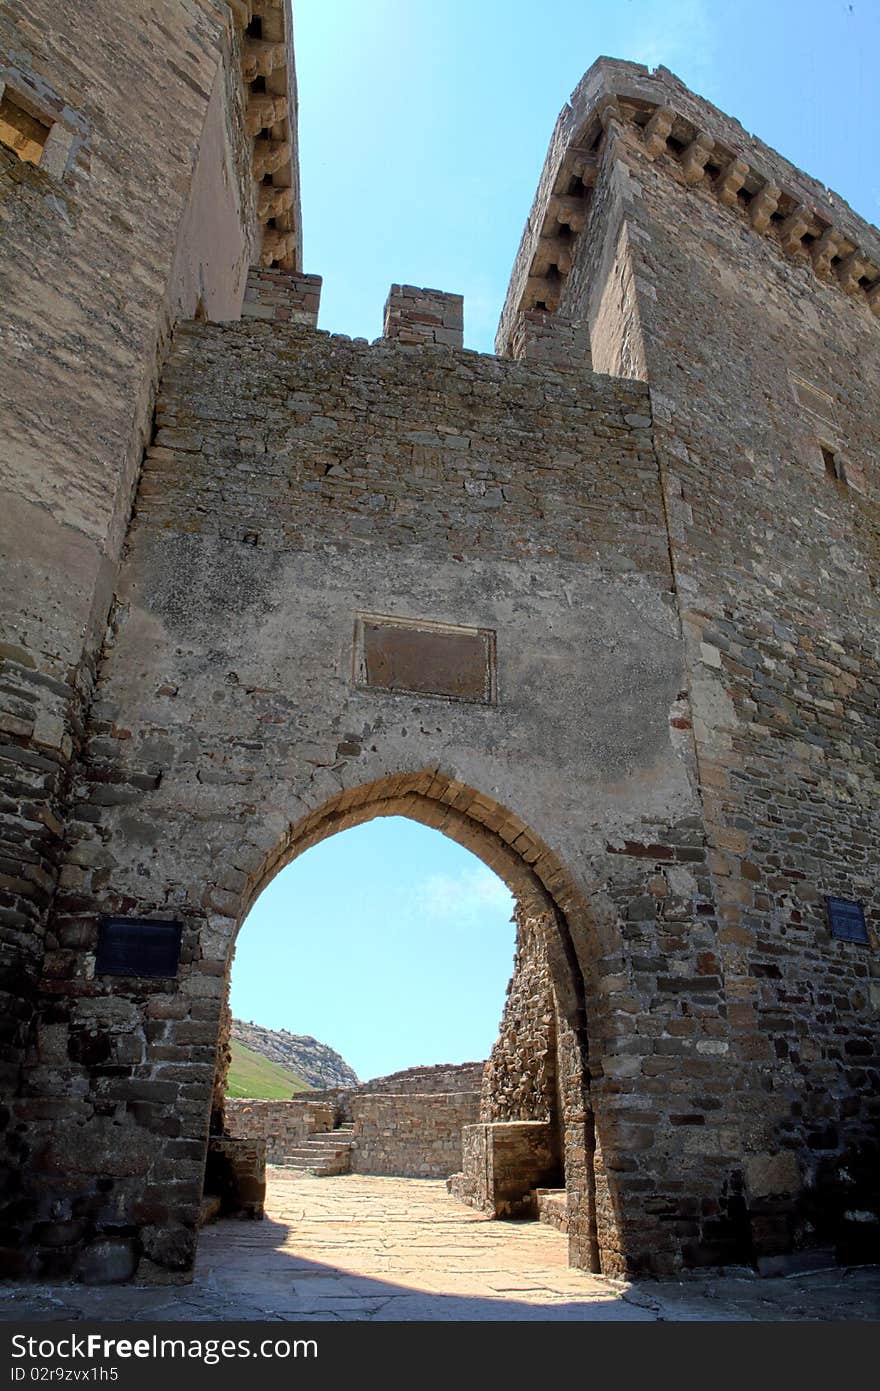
(272, 202)
(260, 58)
(242, 12)
(540, 289)
(849, 271)
(552, 251)
(609, 113)
(571, 212)
(263, 111)
(824, 249)
(696, 156)
(763, 206)
(269, 155)
(276, 246)
(657, 131)
(794, 227)
(585, 166)
(730, 181)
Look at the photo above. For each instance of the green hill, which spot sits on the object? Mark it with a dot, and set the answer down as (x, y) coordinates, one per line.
(253, 1076)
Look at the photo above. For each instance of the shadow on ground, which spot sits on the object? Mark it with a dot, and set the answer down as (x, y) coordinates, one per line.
(358, 1248)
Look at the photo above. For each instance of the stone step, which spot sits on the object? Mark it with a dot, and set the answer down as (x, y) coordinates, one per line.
(336, 1147)
(209, 1210)
(323, 1155)
(342, 1165)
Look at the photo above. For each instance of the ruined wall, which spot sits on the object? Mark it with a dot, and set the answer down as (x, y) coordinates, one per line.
(410, 1135)
(281, 1124)
(503, 1163)
(442, 1077)
(761, 347)
(520, 1077)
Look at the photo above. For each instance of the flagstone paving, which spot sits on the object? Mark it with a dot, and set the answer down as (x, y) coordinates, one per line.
(357, 1247)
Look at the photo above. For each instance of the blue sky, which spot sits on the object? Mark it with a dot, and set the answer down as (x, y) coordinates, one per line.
(423, 129)
(389, 942)
(424, 123)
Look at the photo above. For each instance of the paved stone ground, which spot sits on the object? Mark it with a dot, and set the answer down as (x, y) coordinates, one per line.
(365, 1248)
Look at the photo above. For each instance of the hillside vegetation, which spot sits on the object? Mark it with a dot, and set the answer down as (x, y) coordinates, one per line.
(251, 1075)
(318, 1065)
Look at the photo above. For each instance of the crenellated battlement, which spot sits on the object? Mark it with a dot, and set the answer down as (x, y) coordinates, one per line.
(621, 110)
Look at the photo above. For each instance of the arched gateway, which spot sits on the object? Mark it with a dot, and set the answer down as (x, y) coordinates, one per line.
(550, 914)
(615, 630)
(323, 616)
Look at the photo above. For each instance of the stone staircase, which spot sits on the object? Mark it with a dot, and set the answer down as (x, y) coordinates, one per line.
(324, 1154)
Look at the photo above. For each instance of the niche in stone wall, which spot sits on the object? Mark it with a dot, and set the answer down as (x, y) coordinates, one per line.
(31, 133)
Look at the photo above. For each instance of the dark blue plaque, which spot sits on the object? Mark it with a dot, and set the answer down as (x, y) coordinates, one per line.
(846, 918)
(138, 947)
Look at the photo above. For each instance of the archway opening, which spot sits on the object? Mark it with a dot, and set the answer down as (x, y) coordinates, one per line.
(529, 1116)
(388, 942)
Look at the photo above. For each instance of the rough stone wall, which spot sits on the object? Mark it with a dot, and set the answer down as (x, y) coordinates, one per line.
(776, 567)
(443, 1077)
(520, 1078)
(297, 479)
(503, 1163)
(235, 1172)
(102, 248)
(410, 1135)
(701, 793)
(281, 1124)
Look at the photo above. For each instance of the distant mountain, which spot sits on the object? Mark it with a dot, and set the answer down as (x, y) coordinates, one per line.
(252, 1075)
(318, 1065)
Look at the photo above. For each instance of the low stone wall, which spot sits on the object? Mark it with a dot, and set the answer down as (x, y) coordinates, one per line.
(503, 1163)
(411, 1135)
(235, 1172)
(282, 1124)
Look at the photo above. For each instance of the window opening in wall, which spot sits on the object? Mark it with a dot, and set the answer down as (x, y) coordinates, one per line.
(21, 131)
(833, 464)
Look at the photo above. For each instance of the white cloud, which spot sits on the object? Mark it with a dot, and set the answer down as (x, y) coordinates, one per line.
(465, 897)
(669, 35)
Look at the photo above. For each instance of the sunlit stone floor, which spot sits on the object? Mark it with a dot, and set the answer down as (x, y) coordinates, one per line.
(357, 1247)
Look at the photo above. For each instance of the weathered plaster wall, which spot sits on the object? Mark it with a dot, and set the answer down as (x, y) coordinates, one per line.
(296, 479)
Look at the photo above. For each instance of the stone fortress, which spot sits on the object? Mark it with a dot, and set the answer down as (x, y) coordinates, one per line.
(603, 608)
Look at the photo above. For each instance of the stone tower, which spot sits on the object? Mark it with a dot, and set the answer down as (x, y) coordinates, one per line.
(602, 607)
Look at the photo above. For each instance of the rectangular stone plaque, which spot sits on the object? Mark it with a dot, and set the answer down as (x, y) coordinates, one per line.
(846, 919)
(813, 398)
(138, 947)
(415, 657)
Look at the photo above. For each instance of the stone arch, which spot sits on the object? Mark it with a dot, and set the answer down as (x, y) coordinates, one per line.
(545, 893)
